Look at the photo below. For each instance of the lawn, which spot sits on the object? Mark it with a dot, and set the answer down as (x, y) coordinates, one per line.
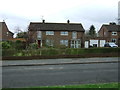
(101, 85)
(109, 86)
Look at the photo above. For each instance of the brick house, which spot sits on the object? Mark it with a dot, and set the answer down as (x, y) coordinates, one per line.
(57, 34)
(5, 34)
(110, 32)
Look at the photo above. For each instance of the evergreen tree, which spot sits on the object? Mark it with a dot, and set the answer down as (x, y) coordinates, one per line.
(22, 35)
(92, 31)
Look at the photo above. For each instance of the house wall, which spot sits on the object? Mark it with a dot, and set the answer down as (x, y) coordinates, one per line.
(56, 37)
(117, 37)
(103, 32)
(6, 34)
(32, 36)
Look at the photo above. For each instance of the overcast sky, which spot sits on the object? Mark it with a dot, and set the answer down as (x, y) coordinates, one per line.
(19, 13)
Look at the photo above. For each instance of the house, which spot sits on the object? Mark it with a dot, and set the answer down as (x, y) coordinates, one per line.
(5, 34)
(56, 34)
(110, 32)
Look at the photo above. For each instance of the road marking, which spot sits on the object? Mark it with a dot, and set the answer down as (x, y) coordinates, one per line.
(51, 68)
(60, 67)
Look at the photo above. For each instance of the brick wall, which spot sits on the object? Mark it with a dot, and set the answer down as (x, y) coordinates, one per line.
(103, 32)
(56, 37)
(6, 34)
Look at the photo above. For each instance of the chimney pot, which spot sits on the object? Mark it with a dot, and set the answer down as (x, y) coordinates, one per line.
(112, 23)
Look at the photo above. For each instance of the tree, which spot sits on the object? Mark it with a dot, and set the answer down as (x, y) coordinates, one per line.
(22, 35)
(92, 31)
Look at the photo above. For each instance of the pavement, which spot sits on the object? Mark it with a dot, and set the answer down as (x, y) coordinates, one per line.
(7, 63)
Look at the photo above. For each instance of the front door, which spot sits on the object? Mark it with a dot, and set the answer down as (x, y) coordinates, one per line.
(39, 43)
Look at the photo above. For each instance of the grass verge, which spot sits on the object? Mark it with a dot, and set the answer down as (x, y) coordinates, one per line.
(109, 86)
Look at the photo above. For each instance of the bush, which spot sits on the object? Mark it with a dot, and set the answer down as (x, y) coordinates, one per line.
(57, 51)
(19, 45)
(6, 45)
(33, 46)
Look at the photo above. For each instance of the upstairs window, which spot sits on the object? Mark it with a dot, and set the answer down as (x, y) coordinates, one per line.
(114, 33)
(49, 32)
(64, 33)
(74, 35)
(39, 35)
(7, 33)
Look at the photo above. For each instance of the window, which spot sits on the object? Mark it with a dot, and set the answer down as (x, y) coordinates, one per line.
(75, 44)
(49, 32)
(105, 33)
(7, 33)
(64, 42)
(74, 35)
(64, 33)
(114, 40)
(114, 33)
(39, 34)
(49, 42)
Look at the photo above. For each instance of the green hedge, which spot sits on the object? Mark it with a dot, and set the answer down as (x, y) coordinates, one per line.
(55, 51)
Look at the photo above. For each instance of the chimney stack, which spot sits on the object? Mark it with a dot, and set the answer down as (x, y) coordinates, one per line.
(43, 21)
(68, 21)
(112, 23)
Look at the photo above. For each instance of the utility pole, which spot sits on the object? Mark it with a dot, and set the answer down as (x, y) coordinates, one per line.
(119, 13)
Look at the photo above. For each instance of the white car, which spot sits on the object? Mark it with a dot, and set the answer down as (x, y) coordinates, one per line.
(111, 44)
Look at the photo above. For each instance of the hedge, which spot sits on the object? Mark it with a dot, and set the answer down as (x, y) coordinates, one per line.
(56, 51)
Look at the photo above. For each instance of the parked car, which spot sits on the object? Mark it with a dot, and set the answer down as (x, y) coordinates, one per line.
(111, 44)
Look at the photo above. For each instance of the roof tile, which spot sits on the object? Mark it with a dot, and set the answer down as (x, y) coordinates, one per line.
(56, 26)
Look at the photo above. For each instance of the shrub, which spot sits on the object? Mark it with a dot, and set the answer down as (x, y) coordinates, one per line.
(33, 46)
(6, 45)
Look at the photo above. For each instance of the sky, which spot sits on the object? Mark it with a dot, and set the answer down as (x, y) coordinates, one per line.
(19, 13)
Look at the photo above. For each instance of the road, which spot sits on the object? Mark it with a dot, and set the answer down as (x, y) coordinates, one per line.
(50, 75)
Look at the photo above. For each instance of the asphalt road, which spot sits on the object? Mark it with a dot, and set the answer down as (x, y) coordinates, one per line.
(50, 75)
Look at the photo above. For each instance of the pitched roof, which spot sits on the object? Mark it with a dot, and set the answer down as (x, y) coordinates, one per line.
(56, 26)
(113, 27)
(2, 24)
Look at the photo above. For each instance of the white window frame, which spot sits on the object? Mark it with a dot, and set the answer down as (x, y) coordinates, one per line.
(74, 35)
(39, 34)
(64, 33)
(75, 43)
(64, 42)
(49, 42)
(7, 33)
(114, 33)
(49, 32)
(105, 33)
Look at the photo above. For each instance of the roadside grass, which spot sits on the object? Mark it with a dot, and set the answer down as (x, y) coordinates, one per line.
(100, 85)
(110, 86)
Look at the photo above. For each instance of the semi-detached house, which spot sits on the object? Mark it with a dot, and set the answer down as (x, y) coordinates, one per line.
(56, 34)
(110, 32)
(5, 34)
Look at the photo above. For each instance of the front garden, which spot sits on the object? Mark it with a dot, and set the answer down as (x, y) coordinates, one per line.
(19, 48)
